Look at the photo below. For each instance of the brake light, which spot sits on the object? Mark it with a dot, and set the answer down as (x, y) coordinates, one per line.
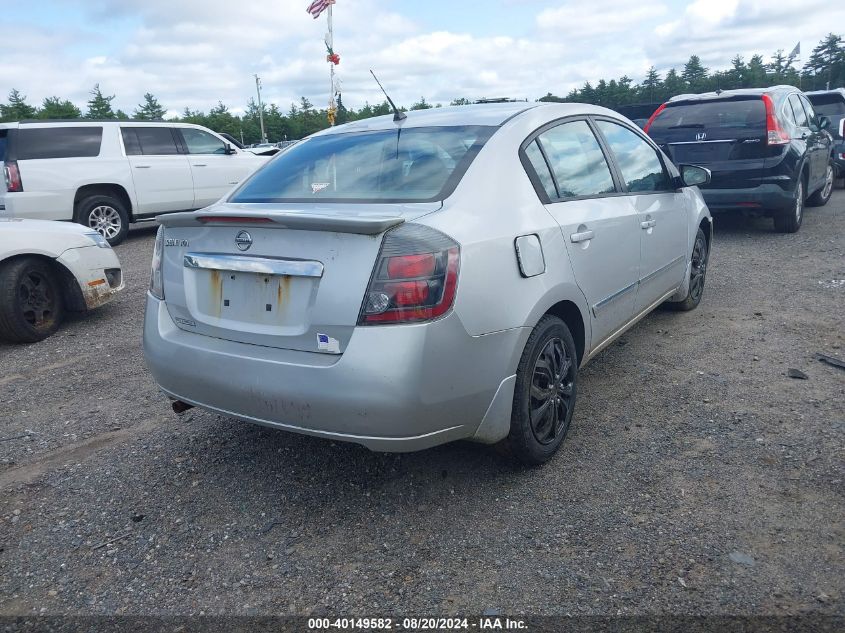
(415, 277)
(233, 219)
(653, 117)
(775, 134)
(13, 177)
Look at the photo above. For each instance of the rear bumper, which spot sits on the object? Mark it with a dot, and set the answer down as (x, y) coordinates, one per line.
(395, 388)
(766, 197)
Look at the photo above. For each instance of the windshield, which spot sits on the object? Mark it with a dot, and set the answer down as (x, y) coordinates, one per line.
(412, 165)
(744, 113)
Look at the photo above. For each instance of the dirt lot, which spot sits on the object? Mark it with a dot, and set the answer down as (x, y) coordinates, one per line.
(698, 478)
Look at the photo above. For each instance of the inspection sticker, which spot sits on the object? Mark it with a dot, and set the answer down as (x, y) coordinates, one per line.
(326, 343)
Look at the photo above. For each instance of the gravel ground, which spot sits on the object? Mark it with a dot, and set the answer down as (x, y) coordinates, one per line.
(697, 478)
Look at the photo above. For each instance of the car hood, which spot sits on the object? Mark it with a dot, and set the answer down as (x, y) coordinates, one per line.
(44, 237)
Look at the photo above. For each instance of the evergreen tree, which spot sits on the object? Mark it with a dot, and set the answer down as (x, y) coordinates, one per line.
(673, 84)
(17, 108)
(99, 105)
(422, 104)
(695, 75)
(650, 88)
(464, 101)
(55, 108)
(756, 76)
(826, 65)
(150, 110)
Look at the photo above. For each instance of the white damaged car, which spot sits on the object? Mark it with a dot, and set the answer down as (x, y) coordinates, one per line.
(48, 269)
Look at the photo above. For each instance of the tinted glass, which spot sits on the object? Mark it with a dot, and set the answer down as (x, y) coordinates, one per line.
(798, 111)
(742, 113)
(576, 159)
(811, 113)
(151, 141)
(200, 142)
(641, 167)
(59, 142)
(411, 165)
(3, 145)
(541, 168)
(829, 105)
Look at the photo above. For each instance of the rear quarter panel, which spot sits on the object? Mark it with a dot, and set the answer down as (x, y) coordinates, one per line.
(493, 205)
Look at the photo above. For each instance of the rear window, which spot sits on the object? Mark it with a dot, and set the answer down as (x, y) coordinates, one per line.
(734, 113)
(411, 165)
(828, 105)
(58, 142)
(3, 134)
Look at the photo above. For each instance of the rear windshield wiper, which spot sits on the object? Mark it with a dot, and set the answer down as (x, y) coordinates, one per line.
(680, 125)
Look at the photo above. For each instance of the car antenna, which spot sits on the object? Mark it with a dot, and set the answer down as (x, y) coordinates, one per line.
(398, 115)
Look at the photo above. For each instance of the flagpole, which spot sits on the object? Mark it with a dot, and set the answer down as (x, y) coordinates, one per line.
(331, 64)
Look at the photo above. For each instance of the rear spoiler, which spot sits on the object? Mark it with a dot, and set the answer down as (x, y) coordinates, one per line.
(373, 224)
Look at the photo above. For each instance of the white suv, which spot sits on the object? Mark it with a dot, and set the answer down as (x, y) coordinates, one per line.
(106, 174)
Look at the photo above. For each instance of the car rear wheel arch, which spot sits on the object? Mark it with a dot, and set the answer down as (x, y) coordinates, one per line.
(569, 313)
(105, 189)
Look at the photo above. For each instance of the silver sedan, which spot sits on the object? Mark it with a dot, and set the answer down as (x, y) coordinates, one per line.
(405, 283)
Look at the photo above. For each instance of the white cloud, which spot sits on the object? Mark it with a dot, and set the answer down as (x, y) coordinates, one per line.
(195, 52)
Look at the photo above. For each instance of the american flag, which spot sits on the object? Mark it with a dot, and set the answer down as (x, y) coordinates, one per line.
(318, 6)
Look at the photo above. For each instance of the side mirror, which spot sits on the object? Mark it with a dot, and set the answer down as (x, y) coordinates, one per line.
(230, 149)
(693, 175)
(824, 122)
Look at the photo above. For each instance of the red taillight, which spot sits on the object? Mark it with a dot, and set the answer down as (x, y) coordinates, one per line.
(408, 266)
(13, 177)
(232, 219)
(653, 117)
(415, 278)
(775, 134)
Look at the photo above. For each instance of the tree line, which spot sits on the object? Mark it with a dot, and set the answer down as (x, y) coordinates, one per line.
(825, 66)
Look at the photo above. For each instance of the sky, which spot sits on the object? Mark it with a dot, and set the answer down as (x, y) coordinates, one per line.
(194, 53)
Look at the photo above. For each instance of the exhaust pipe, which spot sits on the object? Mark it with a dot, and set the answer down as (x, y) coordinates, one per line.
(180, 407)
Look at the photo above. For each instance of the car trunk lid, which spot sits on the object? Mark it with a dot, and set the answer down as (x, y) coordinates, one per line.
(282, 275)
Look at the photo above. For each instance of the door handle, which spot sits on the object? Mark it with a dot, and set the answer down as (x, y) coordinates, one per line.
(142, 166)
(199, 165)
(583, 236)
(647, 224)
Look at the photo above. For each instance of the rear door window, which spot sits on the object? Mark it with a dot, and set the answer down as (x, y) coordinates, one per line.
(577, 161)
(3, 134)
(58, 142)
(199, 142)
(641, 167)
(798, 111)
(831, 106)
(149, 141)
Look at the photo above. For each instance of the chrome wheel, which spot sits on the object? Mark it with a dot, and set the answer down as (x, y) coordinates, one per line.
(828, 183)
(551, 392)
(37, 303)
(698, 268)
(105, 220)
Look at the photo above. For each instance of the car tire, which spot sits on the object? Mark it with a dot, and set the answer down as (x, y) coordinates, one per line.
(789, 221)
(822, 196)
(31, 304)
(104, 214)
(698, 275)
(544, 394)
